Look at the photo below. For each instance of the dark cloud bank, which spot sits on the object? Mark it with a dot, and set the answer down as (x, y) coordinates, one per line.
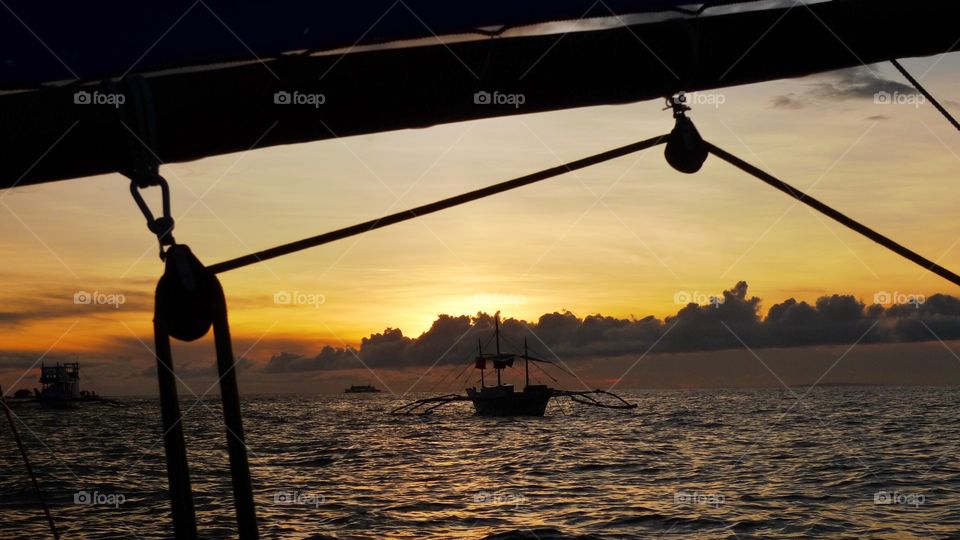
(832, 320)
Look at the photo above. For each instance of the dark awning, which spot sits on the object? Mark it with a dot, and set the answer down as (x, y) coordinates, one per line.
(108, 38)
(206, 112)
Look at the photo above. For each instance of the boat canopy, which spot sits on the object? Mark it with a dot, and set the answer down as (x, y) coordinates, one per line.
(209, 77)
(112, 38)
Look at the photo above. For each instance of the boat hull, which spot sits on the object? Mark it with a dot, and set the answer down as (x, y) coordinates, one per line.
(361, 390)
(531, 402)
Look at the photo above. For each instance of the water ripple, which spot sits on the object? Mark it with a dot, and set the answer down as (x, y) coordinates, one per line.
(844, 463)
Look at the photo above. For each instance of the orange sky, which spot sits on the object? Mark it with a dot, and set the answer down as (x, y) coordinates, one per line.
(621, 239)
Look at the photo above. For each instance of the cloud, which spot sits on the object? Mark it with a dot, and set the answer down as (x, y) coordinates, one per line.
(75, 302)
(858, 83)
(789, 101)
(847, 84)
(25, 360)
(733, 323)
(699, 345)
(329, 358)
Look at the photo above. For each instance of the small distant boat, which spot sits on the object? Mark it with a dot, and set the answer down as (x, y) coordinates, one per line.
(362, 389)
(20, 396)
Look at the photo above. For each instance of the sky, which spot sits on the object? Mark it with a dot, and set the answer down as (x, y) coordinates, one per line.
(627, 239)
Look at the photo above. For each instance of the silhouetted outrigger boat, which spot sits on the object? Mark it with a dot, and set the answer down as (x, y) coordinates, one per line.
(503, 399)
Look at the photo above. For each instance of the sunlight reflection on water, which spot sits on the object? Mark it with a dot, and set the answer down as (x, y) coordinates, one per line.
(844, 462)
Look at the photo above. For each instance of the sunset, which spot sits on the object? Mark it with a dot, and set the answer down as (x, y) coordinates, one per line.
(622, 239)
(702, 321)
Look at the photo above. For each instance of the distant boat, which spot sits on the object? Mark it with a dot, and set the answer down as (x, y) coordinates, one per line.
(61, 386)
(362, 389)
(21, 396)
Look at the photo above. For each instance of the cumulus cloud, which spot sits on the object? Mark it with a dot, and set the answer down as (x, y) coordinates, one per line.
(728, 324)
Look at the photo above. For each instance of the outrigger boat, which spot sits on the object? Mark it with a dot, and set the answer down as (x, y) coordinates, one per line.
(502, 399)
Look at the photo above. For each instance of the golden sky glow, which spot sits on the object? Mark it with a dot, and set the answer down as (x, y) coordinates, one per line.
(619, 239)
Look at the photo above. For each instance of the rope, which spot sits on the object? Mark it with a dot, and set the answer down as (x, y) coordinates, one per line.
(837, 216)
(139, 132)
(444, 204)
(189, 301)
(449, 372)
(552, 378)
(143, 169)
(26, 462)
(175, 450)
(595, 159)
(916, 84)
(454, 368)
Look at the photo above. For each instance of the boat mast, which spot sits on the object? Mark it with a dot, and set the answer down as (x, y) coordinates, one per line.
(480, 347)
(496, 331)
(526, 362)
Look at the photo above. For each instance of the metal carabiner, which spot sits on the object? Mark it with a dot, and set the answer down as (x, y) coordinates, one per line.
(678, 103)
(161, 226)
